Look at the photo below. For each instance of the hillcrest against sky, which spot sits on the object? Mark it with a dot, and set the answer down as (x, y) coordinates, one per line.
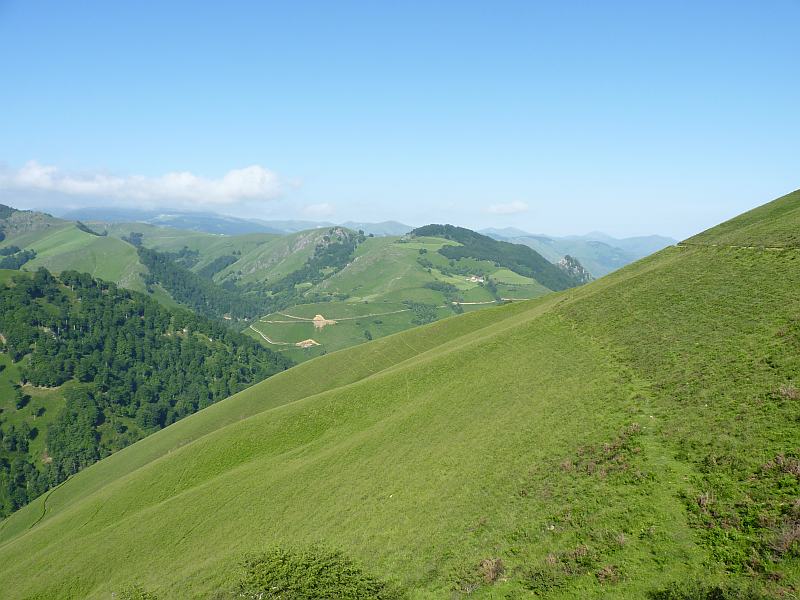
(562, 118)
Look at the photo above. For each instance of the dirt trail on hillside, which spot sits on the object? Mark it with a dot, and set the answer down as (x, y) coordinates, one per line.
(687, 244)
(269, 341)
(392, 312)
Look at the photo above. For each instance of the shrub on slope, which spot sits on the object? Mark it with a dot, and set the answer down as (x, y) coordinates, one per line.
(309, 574)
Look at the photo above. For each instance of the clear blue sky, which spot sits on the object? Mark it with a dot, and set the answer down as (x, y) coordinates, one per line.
(557, 117)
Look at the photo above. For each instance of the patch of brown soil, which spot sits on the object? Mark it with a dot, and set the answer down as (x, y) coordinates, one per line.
(320, 322)
(307, 343)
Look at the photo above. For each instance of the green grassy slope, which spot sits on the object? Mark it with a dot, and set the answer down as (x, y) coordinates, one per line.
(61, 245)
(772, 225)
(102, 257)
(598, 452)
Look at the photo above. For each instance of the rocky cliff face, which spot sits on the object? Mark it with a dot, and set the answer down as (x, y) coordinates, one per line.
(574, 268)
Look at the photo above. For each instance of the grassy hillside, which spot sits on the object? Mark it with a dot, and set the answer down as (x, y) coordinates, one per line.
(65, 245)
(242, 277)
(559, 447)
(102, 257)
(346, 324)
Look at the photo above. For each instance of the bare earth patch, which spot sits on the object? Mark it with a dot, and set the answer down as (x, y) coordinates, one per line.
(320, 322)
(307, 343)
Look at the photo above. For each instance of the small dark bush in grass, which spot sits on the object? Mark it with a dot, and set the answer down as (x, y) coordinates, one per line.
(698, 591)
(22, 400)
(310, 573)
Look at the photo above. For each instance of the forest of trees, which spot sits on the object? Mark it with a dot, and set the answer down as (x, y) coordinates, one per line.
(131, 367)
(198, 292)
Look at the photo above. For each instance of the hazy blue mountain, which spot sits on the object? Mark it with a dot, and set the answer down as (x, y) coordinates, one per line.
(192, 221)
(379, 229)
(505, 232)
(642, 245)
(216, 223)
(598, 252)
(293, 225)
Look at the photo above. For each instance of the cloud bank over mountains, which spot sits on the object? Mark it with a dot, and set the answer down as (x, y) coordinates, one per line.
(180, 189)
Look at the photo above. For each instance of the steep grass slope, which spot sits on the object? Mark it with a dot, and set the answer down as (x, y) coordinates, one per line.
(102, 257)
(607, 441)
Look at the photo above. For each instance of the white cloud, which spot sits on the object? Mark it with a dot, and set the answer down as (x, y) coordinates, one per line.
(319, 211)
(510, 208)
(250, 184)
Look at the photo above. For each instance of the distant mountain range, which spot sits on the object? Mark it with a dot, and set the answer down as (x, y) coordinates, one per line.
(598, 252)
(222, 224)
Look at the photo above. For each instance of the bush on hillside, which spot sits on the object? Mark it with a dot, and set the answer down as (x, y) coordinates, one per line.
(308, 574)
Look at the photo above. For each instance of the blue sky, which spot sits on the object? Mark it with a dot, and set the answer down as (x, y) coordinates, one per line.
(559, 117)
